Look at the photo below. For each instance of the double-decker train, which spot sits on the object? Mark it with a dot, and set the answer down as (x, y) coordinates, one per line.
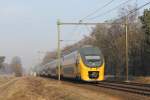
(86, 63)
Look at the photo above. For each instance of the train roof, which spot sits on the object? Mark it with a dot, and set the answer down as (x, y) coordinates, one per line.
(87, 50)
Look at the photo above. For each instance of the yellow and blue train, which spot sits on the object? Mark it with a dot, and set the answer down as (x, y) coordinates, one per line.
(86, 63)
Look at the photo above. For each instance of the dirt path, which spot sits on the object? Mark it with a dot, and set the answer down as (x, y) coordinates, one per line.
(35, 88)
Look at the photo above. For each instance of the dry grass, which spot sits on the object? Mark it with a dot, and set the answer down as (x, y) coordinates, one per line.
(5, 78)
(144, 80)
(25, 88)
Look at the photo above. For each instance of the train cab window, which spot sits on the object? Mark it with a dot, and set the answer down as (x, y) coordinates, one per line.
(93, 61)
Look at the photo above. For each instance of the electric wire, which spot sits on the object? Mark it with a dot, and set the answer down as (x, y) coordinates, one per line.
(88, 29)
(98, 9)
(103, 14)
(134, 10)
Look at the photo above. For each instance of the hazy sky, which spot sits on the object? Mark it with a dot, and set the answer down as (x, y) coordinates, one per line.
(29, 26)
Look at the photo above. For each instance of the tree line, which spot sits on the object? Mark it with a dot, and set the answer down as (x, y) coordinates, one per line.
(110, 38)
(15, 66)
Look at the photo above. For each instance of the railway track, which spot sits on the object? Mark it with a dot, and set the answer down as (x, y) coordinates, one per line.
(142, 89)
(129, 87)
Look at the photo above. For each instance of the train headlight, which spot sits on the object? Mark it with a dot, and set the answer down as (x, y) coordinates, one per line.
(93, 74)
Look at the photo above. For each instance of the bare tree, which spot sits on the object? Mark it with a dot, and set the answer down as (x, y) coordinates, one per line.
(49, 56)
(16, 66)
(111, 39)
(2, 59)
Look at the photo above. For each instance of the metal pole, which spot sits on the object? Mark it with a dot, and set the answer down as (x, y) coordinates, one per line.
(79, 23)
(126, 31)
(58, 49)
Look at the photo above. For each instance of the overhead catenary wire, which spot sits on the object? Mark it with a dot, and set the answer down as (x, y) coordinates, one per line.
(88, 29)
(134, 10)
(72, 32)
(92, 13)
(103, 14)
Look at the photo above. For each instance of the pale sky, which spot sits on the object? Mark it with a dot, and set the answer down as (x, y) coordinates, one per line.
(29, 26)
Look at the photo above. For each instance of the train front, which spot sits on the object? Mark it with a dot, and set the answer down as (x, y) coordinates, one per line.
(91, 64)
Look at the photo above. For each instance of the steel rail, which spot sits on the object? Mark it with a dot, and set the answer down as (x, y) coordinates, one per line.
(141, 89)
